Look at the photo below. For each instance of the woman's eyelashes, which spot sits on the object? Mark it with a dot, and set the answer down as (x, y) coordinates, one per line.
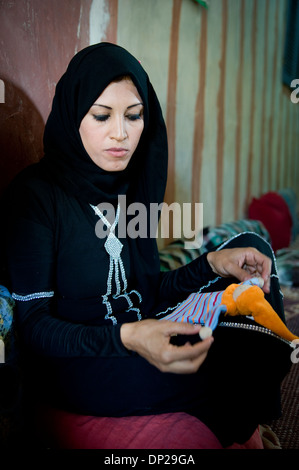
(134, 117)
(105, 117)
(101, 117)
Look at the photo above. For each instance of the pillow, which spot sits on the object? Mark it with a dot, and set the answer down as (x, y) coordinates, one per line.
(272, 210)
(290, 198)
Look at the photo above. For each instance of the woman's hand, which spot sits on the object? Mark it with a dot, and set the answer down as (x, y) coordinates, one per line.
(241, 263)
(151, 340)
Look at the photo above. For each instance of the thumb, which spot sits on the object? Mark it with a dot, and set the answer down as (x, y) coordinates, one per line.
(182, 328)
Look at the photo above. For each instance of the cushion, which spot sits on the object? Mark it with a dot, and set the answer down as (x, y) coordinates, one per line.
(176, 254)
(272, 210)
(215, 236)
(165, 431)
(6, 312)
(290, 198)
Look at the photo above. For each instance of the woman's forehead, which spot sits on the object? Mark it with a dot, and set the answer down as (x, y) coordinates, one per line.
(120, 89)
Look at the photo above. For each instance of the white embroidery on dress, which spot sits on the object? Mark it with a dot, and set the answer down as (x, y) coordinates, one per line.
(35, 295)
(114, 247)
(197, 292)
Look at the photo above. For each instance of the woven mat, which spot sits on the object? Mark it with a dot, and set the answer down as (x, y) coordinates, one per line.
(291, 301)
(287, 427)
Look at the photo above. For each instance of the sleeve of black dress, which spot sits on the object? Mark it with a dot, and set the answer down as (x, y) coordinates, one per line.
(190, 278)
(31, 263)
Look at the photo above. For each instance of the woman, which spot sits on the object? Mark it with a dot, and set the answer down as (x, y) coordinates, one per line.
(87, 305)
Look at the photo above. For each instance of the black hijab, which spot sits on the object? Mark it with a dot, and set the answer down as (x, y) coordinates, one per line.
(88, 74)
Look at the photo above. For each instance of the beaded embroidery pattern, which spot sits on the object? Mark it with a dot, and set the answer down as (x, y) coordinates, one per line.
(113, 247)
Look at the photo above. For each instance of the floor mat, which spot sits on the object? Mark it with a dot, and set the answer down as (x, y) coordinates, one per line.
(287, 427)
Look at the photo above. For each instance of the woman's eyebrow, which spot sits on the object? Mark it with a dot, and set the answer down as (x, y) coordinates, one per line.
(108, 107)
(133, 105)
(102, 105)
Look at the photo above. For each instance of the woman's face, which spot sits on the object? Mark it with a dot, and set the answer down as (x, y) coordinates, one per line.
(112, 128)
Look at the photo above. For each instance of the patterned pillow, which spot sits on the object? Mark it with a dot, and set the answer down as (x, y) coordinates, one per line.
(219, 234)
(6, 312)
(176, 254)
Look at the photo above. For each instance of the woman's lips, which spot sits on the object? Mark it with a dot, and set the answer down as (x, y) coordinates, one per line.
(117, 152)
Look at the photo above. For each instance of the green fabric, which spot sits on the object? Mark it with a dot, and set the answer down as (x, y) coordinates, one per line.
(175, 255)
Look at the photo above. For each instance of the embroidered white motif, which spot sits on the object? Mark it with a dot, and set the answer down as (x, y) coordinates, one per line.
(114, 247)
(35, 295)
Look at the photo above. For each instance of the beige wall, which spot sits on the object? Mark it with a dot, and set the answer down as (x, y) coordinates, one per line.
(233, 130)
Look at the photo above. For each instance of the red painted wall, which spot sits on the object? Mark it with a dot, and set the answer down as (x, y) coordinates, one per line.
(38, 38)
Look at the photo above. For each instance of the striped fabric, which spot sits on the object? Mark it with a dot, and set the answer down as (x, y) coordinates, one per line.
(199, 308)
(204, 308)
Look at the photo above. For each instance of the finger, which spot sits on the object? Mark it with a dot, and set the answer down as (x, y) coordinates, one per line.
(264, 266)
(239, 272)
(180, 328)
(256, 262)
(185, 365)
(266, 278)
(263, 262)
(190, 352)
(251, 269)
(194, 358)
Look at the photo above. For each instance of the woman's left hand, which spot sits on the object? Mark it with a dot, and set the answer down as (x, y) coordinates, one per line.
(241, 263)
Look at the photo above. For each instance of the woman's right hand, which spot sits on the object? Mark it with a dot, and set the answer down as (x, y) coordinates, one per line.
(151, 339)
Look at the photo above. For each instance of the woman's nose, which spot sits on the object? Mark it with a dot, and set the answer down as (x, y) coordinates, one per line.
(118, 129)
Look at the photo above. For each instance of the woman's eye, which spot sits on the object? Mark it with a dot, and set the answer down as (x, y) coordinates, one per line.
(134, 117)
(101, 117)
